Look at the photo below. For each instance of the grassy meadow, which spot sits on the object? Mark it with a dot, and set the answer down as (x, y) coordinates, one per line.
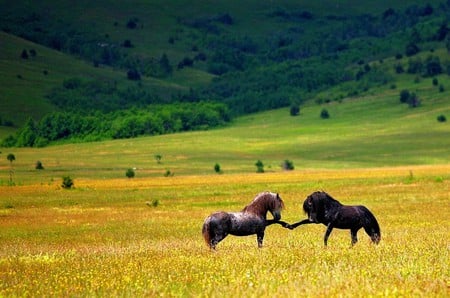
(106, 238)
(111, 235)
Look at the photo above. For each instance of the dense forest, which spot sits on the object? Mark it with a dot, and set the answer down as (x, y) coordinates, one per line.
(305, 53)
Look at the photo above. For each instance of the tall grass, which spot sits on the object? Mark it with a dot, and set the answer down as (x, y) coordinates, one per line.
(101, 238)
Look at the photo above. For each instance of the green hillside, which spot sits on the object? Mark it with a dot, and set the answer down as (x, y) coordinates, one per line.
(99, 63)
(372, 131)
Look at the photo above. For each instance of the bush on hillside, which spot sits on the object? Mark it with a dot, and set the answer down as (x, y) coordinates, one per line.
(287, 165)
(294, 110)
(441, 118)
(259, 166)
(67, 182)
(130, 173)
(324, 114)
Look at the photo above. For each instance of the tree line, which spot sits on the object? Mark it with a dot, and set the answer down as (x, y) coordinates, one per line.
(134, 122)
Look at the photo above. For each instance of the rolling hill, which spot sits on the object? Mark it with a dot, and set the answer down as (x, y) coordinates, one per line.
(251, 56)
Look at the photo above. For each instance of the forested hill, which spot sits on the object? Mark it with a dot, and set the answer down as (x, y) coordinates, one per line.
(194, 64)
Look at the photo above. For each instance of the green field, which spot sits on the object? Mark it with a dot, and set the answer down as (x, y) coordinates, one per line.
(104, 237)
(374, 131)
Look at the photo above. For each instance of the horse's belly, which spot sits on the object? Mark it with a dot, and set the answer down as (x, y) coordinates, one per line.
(244, 226)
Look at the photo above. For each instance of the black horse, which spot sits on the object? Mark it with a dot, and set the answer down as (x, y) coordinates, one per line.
(322, 208)
(251, 220)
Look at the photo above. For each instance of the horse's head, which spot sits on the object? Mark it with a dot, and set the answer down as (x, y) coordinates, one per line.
(276, 206)
(266, 201)
(313, 205)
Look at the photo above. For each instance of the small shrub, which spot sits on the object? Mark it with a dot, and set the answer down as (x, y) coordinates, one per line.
(133, 75)
(441, 118)
(324, 114)
(435, 82)
(130, 173)
(39, 165)
(168, 173)
(287, 165)
(259, 166)
(24, 54)
(67, 182)
(153, 203)
(404, 96)
(441, 88)
(217, 168)
(294, 110)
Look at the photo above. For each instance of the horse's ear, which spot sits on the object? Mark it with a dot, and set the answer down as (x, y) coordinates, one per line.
(278, 195)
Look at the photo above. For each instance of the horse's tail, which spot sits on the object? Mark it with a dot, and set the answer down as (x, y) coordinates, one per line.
(206, 231)
(372, 227)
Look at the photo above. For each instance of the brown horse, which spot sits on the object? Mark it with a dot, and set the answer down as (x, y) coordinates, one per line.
(251, 220)
(322, 208)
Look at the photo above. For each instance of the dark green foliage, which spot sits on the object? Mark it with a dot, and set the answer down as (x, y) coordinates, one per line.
(300, 52)
(415, 66)
(259, 166)
(149, 120)
(186, 62)
(133, 75)
(169, 173)
(411, 49)
(441, 118)
(24, 54)
(153, 203)
(130, 173)
(432, 66)
(410, 98)
(132, 23)
(217, 168)
(399, 68)
(67, 182)
(435, 81)
(11, 157)
(404, 96)
(287, 165)
(127, 44)
(324, 114)
(39, 165)
(294, 110)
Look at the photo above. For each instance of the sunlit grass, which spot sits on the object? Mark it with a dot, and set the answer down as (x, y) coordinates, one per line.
(101, 238)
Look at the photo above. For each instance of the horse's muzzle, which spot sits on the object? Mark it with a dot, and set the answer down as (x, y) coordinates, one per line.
(276, 215)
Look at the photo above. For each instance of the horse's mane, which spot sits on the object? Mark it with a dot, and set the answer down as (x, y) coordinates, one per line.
(262, 203)
(326, 198)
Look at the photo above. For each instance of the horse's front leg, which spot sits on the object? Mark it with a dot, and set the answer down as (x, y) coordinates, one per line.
(353, 233)
(303, 222)
(280, 222)
(327, 233)
(260, 238)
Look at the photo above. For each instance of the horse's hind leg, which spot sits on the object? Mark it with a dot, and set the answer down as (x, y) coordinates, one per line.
(260, 238)
(216, 239)
(354, 234)
(327, 233)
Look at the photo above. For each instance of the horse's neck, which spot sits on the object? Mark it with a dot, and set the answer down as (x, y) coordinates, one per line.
(332, 203)
(257, 210)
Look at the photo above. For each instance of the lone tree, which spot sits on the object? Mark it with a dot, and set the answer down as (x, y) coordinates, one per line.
(67, 182)
(130, 173)
(287, 165)
(259, 166)
(217, 168)
(11, 158)
(324, 114)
